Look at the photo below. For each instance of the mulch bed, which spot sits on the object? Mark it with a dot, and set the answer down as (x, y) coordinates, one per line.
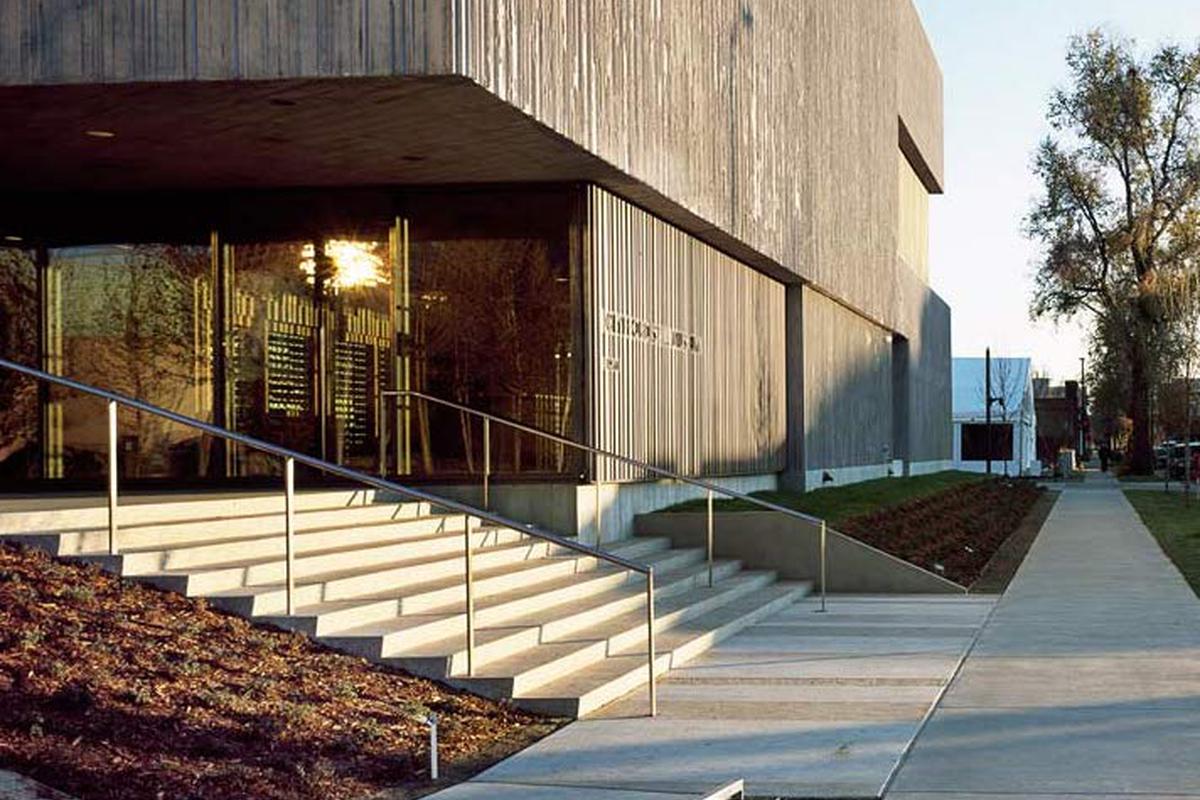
(999, 571)
(953, 533)
(113, 690)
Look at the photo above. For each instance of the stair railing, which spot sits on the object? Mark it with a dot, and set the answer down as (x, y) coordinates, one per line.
(711, 489)
(291, 458)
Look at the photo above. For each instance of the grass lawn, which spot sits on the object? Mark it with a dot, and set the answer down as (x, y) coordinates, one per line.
(1175, 522)
(1140, 478)
(840, 503)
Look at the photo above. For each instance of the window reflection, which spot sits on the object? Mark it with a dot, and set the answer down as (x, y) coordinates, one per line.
(310, 346)
(137, 319)
(18, 342)
(491, 311)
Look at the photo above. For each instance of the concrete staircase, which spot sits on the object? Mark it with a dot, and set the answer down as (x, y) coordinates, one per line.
(556, 632)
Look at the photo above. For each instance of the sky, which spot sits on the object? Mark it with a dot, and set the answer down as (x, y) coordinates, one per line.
(1000, 60)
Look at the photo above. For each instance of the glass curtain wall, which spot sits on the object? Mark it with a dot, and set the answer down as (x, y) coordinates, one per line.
(488, 321)
(288, 319)
(311, 345)
(20, 453)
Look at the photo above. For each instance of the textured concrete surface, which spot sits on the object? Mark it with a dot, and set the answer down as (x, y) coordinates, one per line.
(18, 787)
(803, 704)
(1086, 679)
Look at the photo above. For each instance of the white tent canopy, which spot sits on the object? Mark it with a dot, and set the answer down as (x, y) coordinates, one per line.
(1012, 384)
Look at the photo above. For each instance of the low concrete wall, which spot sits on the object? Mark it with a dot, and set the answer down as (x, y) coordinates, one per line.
(570, 509)
(929, 467)
(791, 547)
(815, 478)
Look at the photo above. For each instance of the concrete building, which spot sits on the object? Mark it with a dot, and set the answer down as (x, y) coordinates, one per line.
(694, 234)
(1014, 418)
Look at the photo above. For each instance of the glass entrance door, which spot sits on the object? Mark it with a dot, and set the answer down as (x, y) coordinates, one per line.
(310, 346)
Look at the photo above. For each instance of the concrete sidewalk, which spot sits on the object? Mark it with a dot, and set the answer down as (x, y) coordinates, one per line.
(1086, 679)
(802, 704)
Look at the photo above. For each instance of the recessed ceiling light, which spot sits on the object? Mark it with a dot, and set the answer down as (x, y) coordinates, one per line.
(99, 134)
(12, 238)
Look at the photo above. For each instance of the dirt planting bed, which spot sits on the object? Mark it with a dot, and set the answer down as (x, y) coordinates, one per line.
(954, 532)
(113, 690)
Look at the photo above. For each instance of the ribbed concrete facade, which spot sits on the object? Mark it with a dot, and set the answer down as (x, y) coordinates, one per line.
(750, 294)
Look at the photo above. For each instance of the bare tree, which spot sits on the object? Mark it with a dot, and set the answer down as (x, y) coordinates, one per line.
(1120, 203)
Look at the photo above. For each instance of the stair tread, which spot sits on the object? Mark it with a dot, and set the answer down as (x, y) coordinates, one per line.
(409, 590)
(620, 664)
(546, 614)
(549, 651)
(350, 572)
(301, 536)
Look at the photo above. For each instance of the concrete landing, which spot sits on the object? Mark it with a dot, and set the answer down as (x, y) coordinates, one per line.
(1086, 679)
(800, 705)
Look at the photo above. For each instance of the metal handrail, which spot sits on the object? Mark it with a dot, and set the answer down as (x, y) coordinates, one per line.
(291, 457)
(598, 452)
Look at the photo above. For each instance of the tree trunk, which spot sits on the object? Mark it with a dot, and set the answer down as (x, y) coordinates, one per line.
(1141, 447)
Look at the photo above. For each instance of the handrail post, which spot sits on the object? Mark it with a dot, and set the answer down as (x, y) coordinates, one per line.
(599, 512)
(112, 477)
(470, 597)
(824, 536)
(710, 538)
(650, 639)
(289, 532)
(487, 461)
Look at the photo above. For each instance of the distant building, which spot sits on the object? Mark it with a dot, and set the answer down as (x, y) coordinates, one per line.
(1014, 420)
(1058, 417)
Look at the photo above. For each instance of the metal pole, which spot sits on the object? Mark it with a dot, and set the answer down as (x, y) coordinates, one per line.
(470, 598)
(112, 477)
(824, 538)
(289, 530)
(381, 415)
(487, 461)
(650, 640)
(987, 402)
(432, 722)
(599, 513)
(710, 538)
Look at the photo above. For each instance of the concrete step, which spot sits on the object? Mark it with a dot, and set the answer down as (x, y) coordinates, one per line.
(55, 514)
(359, 572)
(436, 594)
(216, 529)
(585, 691)
(525, 669)
(354, 624)
(556, 607)
(558, 631)
(420, 536)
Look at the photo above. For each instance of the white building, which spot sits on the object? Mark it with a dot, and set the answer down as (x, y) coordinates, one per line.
(1014, 419)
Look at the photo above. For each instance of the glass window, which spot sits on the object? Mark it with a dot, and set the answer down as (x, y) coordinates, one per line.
(490, 323)
(19, 452)
(137, 319)
(310, 345)
(975, 442)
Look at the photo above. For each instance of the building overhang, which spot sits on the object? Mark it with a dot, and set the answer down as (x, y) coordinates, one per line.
(294, 133)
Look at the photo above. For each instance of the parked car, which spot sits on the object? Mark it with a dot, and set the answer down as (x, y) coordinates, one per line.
(1178, 460)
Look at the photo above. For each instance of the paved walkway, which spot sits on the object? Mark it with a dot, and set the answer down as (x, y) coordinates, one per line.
(1085, 682)
(800, 705)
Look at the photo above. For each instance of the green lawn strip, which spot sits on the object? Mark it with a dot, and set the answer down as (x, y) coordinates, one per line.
(1140, 478)
(1175, 523)
(837, 504)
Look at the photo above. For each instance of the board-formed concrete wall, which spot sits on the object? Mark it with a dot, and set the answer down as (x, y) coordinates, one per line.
(767, 126)
(847, 391)
(791, 547)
